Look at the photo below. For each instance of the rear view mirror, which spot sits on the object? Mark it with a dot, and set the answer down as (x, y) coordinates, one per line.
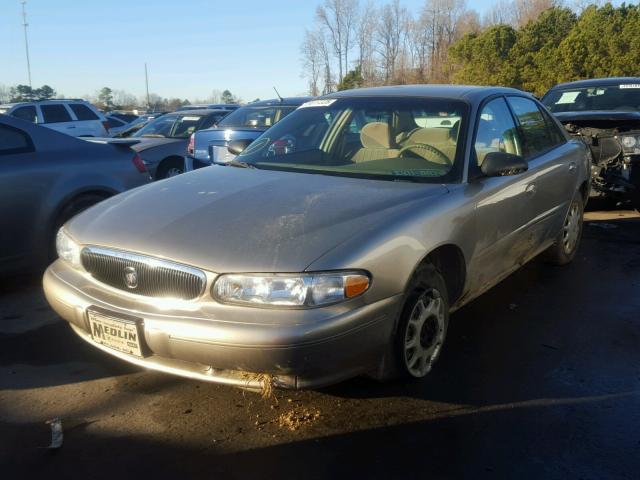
(500, 164)
(236, 147)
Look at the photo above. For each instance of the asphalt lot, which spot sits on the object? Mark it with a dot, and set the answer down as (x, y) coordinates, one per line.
(540, 378)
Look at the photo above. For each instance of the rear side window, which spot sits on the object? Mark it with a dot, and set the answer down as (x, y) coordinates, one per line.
(114, 122)
(26, 113)
(55, 113)
(83, 112)
(13, 140)
(536, 137)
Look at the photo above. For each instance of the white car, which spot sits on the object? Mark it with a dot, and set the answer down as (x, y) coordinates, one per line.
(77, 118)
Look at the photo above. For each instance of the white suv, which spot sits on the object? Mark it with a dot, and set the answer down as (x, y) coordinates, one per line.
(77, 118)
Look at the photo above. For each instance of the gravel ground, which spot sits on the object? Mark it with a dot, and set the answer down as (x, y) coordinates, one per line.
(540, 378)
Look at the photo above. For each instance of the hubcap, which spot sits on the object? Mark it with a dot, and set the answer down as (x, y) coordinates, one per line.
(424, 334)
(571, 230)
(172, 172)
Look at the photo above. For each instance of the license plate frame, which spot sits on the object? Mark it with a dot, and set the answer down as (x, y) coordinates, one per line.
(122, 333)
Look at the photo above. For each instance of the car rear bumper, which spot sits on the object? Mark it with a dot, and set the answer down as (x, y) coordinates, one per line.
(311, 352)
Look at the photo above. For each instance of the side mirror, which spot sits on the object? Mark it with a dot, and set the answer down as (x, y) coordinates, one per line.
(236, 147)
(500, 164)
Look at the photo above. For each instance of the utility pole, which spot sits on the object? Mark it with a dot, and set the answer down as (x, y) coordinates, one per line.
(146, 80)
(26, 41)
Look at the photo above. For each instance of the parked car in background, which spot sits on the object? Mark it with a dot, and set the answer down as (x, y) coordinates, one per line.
(163, 141)
(117, 125)
(46, 178)
(247, 123)
(210, 106)
(77, 118)
(137, 124)
(605, 114)
(335, 245)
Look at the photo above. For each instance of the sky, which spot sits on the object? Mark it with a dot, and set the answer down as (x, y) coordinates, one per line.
(191, 47)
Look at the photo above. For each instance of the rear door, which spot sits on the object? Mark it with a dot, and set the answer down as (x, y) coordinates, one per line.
(57, 117)
(88, 123)
(20, 192)
(552, 168)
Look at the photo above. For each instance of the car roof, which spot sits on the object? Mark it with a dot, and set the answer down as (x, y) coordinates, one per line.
(200, 111)
(289, 101)
(461, 92)
(595, 82)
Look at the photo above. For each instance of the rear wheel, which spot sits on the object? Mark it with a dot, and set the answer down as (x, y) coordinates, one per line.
(170, 168)
(566, 244)
(423, 324)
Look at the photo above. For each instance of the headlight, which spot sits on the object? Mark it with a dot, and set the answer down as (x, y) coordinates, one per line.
(297, 290)
(630, 144)
(67, 249)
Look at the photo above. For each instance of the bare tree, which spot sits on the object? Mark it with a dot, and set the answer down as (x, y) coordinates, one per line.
(5, 94)
(312, 59)
(389, 35)
(365, 33)
(527, 10)
(339, 17)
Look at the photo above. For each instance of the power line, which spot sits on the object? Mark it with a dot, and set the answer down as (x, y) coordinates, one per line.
(26, 41)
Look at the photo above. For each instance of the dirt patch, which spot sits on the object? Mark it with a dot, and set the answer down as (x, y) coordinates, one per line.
(298, 418)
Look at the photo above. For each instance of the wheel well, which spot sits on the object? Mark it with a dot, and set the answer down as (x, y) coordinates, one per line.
(63, 206)
(584, 190)
(449, 261)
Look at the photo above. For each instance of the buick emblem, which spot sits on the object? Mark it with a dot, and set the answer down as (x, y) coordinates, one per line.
(131, 277)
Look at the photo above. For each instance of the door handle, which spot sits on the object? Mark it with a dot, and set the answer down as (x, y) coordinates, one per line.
(72, 126)
(531, 189)
(572, 166)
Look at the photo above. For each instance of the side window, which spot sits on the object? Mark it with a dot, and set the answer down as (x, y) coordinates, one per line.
(114, 122)
(497, 131)
(14, 141)
(535, 136)
(26, 113)
(554, 130)
(83, 112)
(55, 113)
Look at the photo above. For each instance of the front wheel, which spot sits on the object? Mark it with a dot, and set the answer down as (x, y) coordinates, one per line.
(423, 324)
(566, 244)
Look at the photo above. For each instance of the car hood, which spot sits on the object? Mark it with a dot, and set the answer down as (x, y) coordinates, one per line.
(598, 115)
(227, 219)
(151, 142)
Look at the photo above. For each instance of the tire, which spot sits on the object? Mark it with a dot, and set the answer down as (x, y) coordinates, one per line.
(72, 209)
(566, 244)
(170, 168)
(422, 327)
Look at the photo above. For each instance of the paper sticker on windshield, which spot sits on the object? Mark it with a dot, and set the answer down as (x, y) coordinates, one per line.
(418, 172)
(630, 85)
(190, 119)
(568, 97)
(318, 103)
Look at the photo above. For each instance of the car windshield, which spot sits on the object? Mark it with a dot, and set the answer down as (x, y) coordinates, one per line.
(171, 126)
(410, 139)
(256, 116)
(622, 97)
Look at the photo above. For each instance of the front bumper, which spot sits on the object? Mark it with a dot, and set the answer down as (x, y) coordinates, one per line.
(234, 345)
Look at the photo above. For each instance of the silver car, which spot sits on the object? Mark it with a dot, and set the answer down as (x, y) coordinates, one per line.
(336, 244)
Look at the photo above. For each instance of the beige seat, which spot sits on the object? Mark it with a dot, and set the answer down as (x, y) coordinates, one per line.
(376, 143)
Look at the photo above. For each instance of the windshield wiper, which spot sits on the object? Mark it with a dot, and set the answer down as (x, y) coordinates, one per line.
(152, 135)
(236, 163)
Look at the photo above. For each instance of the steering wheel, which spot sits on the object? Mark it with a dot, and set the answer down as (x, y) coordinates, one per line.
(426, 148)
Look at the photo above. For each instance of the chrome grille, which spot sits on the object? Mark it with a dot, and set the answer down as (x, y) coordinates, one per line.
(153, 277)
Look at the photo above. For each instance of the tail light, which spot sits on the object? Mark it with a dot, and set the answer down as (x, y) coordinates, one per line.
(192, 144)
(105, 124)
(139, 164)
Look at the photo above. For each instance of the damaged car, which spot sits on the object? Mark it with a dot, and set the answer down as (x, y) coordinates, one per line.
(336, 244)
(605, 114)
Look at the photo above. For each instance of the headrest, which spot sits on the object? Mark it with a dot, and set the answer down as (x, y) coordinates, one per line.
(376, 135)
